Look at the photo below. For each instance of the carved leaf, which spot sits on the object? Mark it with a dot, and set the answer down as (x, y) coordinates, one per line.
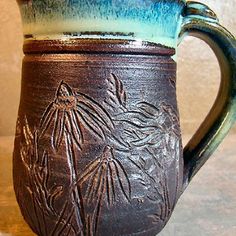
(117, 94)
(55, 192)
(64, 222)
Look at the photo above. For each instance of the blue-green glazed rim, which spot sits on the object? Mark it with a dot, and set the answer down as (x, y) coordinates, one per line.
(156, 21)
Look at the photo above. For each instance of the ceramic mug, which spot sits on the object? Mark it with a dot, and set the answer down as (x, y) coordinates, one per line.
(98, 145)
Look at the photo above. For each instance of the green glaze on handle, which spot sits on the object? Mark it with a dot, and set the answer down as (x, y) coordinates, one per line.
(201, 22)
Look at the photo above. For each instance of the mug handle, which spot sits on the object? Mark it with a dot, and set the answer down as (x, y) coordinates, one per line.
(200, 21)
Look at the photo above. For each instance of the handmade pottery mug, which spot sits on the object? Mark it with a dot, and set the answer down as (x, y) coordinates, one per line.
(98, 146)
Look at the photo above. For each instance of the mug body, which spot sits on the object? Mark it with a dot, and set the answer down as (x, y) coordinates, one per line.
(98, 147)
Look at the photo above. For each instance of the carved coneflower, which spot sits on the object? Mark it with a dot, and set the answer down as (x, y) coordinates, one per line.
(106, 176)
(72, 112)
(106, 182)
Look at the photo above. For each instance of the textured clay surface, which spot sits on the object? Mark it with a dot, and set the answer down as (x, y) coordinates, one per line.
(98, 141)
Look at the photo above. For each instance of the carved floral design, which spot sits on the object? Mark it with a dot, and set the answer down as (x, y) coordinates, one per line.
(106, 173)
(70, 112)
(146, 136)
(116, 94)
(105, 178)
(43, 195)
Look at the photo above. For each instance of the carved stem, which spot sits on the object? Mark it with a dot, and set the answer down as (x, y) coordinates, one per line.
(76, 197)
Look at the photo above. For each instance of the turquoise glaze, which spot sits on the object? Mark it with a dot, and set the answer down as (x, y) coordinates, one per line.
(141, 20)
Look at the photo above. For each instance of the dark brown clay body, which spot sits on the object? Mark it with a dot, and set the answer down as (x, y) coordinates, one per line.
(98, 148)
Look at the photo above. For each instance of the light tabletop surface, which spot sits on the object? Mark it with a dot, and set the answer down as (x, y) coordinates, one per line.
(207, 207)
